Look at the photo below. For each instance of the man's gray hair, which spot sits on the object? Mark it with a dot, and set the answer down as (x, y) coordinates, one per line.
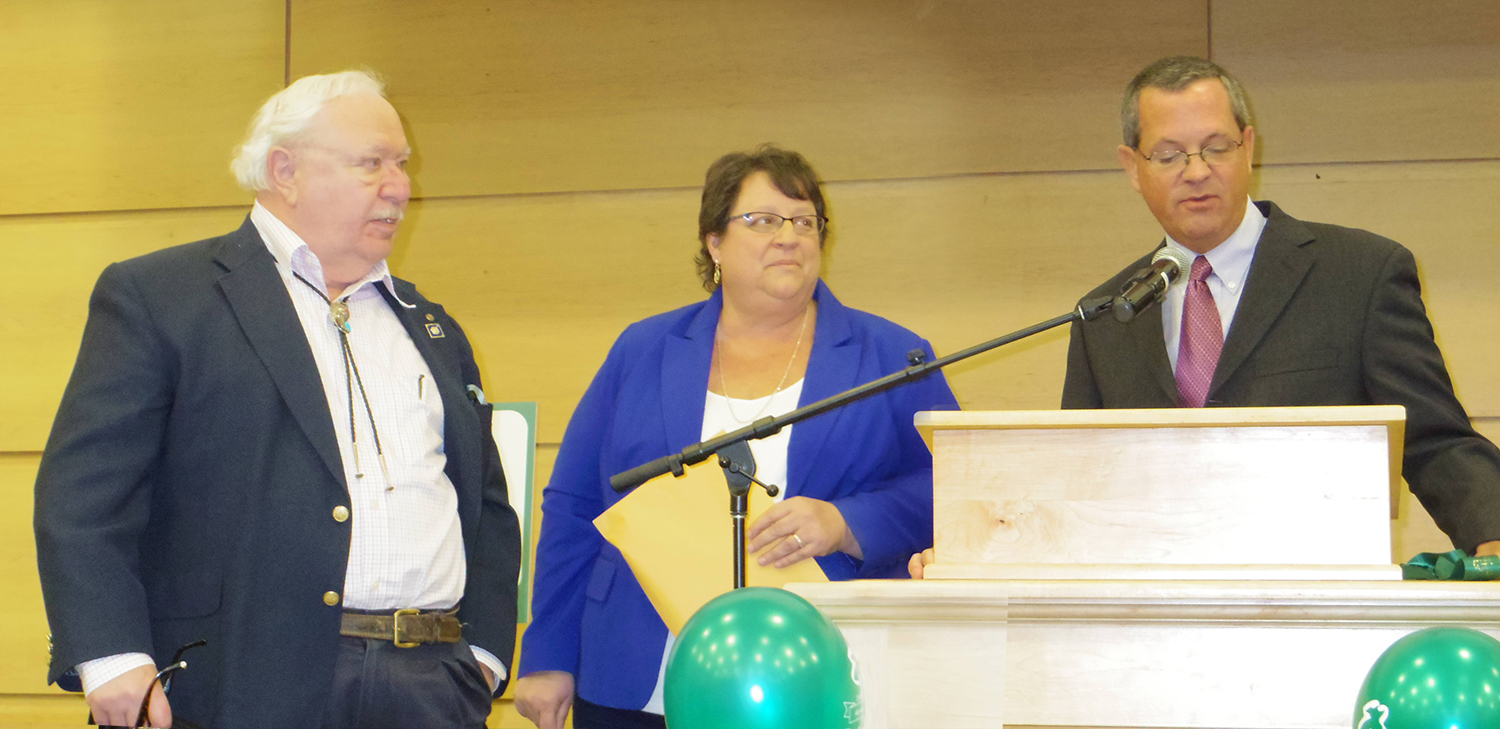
(287, 114)
(1175, 74)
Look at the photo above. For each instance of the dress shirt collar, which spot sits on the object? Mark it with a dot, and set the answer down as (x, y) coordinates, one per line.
(1231, 259)
(293, 254)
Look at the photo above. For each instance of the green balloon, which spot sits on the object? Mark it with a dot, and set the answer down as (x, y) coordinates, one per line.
(1435, 678)
(761, 658)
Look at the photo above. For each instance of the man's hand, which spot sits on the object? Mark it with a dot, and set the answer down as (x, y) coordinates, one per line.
(544, 697)
(119, 701)
(1488, 549)
(919, 562)
(819, 527)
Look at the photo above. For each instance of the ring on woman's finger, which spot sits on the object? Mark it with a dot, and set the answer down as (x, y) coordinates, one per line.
(800, 543)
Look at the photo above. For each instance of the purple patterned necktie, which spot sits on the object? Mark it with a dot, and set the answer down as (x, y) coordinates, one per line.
(1201, 339)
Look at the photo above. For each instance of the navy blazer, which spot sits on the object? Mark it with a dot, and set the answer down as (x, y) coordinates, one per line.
(591, 617)
(1329, 316)
(188, 486)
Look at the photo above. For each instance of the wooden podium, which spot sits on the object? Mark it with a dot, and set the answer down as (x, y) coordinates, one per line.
(1208, 568)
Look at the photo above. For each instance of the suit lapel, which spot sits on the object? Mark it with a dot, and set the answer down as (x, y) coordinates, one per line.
(258, 298)
(1281, 263)
(1151, 343)
(832, 367)
(686, 359)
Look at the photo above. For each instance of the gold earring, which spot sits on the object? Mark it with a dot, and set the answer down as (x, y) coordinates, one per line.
(716, 273)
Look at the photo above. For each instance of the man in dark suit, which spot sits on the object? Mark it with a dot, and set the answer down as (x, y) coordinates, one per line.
(271, 444)
(1276, 311)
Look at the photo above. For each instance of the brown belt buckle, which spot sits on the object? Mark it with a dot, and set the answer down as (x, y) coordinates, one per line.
(396, 628)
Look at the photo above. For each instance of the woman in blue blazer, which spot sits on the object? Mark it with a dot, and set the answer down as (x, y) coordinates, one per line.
(770, 338)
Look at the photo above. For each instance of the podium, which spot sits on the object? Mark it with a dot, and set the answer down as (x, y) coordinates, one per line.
(1213, 568)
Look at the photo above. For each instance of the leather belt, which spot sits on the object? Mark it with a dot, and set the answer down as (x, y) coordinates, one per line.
(405, 628)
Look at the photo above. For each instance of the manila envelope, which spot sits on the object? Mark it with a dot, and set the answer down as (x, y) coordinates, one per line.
(677, 536)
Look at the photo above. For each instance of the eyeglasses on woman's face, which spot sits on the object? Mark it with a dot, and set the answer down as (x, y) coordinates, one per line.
(758, 222)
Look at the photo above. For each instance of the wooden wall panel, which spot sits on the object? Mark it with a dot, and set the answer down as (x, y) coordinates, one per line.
(42, 711)
(544, 284)
(112, 106)
(962, 261)
(51, 264)
(536, 95)
(1367, 80)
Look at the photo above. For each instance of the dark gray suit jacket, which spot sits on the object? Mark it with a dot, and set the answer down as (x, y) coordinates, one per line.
(1329, 316)
(187, 488)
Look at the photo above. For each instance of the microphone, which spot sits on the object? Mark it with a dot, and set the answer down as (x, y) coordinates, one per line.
(1149, 284)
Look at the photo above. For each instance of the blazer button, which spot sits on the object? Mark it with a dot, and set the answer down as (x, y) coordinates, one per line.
(330, 598)
(340, 514)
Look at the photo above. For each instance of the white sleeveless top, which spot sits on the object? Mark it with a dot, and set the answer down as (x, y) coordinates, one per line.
(770, 467)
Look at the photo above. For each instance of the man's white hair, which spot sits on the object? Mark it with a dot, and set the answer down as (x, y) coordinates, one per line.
(287, 114)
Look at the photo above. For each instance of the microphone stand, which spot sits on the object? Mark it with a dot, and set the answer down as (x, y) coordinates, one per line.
(733, 448)
(739, 472)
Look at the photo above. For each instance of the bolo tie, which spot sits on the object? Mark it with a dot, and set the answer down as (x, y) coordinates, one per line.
(338, 312)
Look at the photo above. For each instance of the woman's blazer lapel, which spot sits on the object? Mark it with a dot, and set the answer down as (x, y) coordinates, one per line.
(686, 357)
(832, 368)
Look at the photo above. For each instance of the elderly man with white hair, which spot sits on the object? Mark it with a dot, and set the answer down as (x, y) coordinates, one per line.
(270, 444)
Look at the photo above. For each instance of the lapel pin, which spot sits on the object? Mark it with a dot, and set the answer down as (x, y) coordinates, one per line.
(435, 330)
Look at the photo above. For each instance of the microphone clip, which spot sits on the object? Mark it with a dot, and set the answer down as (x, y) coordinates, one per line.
(1149, 284)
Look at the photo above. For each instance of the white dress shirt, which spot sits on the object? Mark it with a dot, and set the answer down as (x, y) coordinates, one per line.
(1231, 263)
(406, 547)
(719, 416)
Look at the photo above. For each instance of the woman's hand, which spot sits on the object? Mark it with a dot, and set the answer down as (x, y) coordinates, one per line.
(545, 697)
(818, 527)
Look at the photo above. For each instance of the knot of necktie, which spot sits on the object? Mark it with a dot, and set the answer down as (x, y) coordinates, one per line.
(1202, 269)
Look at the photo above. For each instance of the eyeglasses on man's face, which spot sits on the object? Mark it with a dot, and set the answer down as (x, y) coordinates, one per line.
(1173, 160)
(771, 222)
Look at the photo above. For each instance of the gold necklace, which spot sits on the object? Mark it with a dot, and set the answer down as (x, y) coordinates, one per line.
(723, 387)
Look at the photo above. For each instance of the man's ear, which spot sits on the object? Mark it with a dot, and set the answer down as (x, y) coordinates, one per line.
(1131, 162)
(281, 171)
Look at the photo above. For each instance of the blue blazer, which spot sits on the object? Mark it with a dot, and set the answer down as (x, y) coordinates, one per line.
(591, 617)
